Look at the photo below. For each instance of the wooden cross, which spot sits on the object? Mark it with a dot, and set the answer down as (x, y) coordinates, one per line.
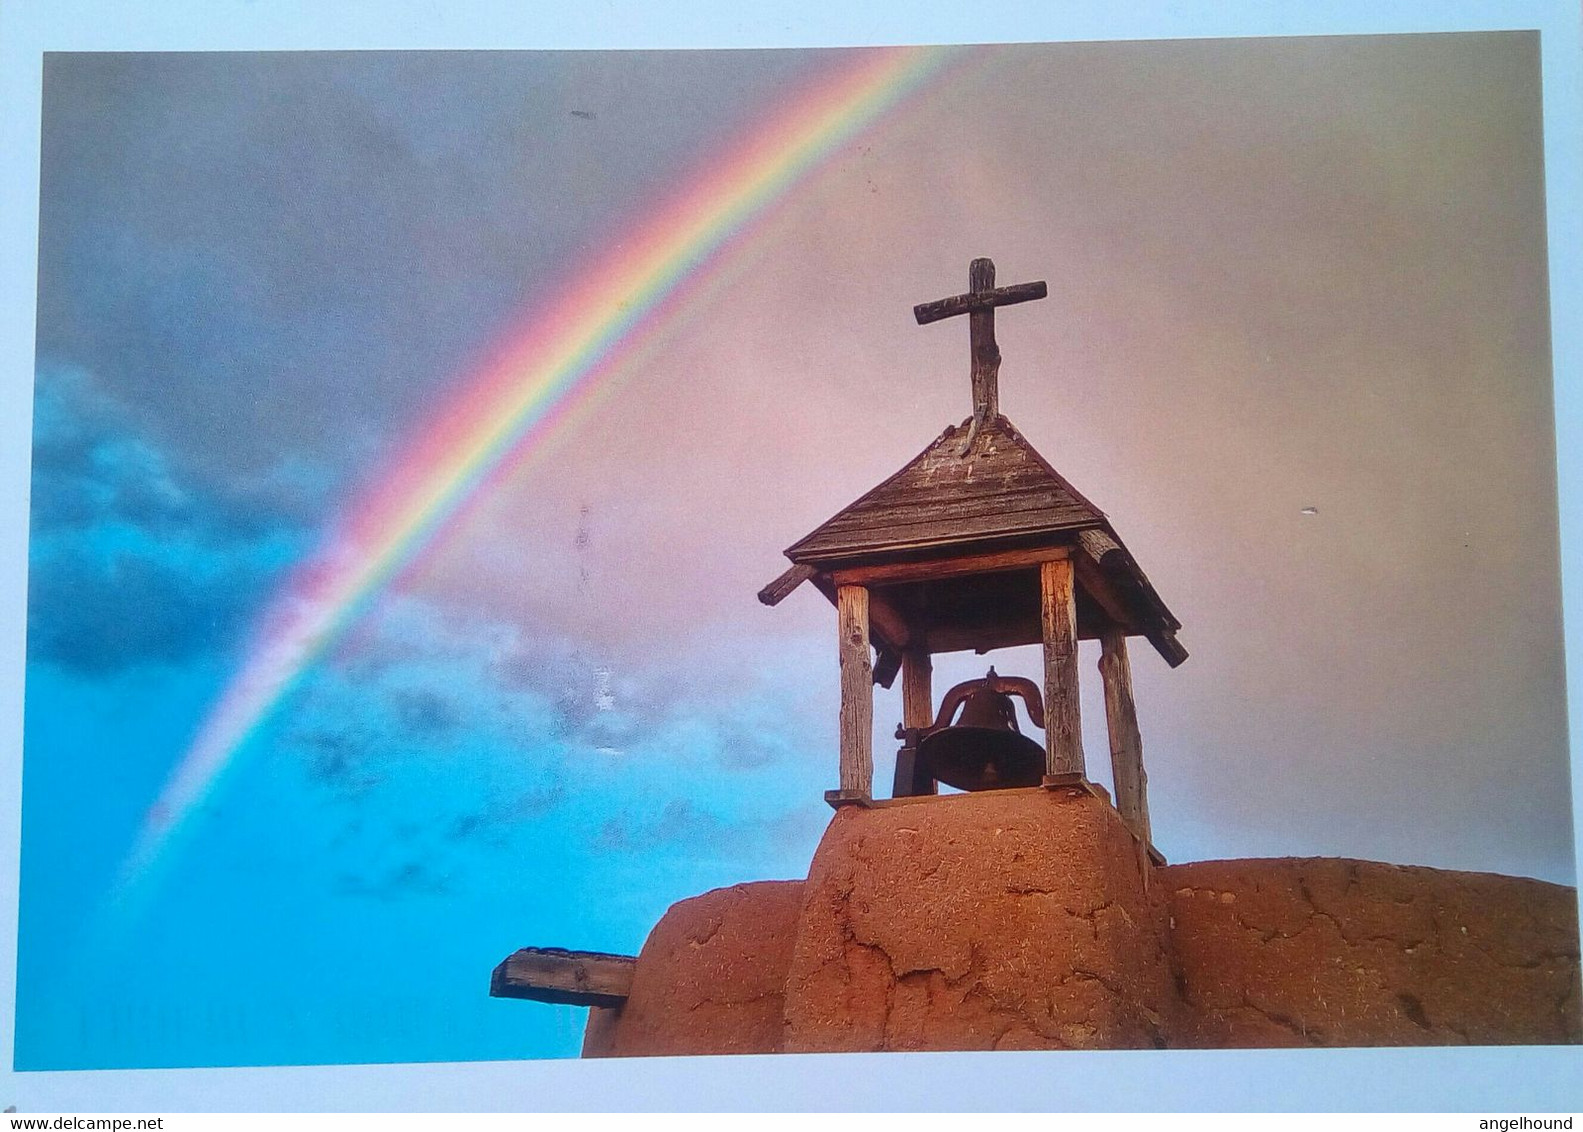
(979, 305)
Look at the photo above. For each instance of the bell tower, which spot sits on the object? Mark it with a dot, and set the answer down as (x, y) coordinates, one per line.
(978, 543)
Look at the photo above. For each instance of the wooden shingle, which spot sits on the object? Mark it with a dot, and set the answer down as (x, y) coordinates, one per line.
(1001, 490)
(948, 507)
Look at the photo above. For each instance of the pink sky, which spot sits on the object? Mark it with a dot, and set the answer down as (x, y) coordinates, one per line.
(1283, 274)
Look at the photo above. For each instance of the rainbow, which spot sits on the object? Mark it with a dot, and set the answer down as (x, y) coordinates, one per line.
(550, 366)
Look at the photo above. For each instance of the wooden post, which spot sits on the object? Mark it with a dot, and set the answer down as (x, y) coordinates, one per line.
(917, 693)
(917, 710)
(1126, 745)
(1063, 730)
(857, 696)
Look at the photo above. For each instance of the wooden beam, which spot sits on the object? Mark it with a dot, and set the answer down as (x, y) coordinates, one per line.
(1097, 586)
(985, 638)
(1003, 634)
(917, 710)
(887, 662)
(917, 691)
(884, 619)
(777, 590)
(926, 313)
(1128, 586)
(1166, 644)
(947, 567)
(1126, 744)
(574, 978)
(895, 635)
(1063, 730)
(857, 693)
(1096, 543)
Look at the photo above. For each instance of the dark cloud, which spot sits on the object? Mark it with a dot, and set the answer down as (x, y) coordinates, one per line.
(226, 231)
(99, 616)
(337, 759)
(493, 821)
(424, 713)
(411, 878)
(91, 464)
(678, 824)
(131, 562)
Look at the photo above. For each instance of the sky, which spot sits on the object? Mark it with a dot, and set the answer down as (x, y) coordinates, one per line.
(1286, 276)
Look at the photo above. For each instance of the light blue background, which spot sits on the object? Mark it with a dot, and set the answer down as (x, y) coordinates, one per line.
(1497, 1080)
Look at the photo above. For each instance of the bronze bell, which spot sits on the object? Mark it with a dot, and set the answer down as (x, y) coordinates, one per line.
(983, 749)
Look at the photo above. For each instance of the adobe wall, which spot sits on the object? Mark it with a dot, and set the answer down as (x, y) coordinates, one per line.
(710, 978)
(1033, 920)
(1326, 952)
(1015, 920)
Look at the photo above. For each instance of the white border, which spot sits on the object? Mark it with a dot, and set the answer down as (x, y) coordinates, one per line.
(1497, 1080)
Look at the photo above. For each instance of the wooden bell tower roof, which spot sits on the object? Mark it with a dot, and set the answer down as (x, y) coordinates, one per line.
(978, 543)
(999, 491)
(985, 506)
(979, 500)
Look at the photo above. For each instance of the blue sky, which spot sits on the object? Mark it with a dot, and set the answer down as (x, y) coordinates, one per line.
(446, 790)
(450, 784)
(441, 787)
(259, 273)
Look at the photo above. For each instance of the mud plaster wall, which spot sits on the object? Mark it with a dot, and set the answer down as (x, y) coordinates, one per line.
(1335, 952)
(710, 978)
(1032, 920)
(1009, 921)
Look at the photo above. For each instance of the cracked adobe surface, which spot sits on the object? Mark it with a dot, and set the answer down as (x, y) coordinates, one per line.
(1337, 952)
(1032, 920)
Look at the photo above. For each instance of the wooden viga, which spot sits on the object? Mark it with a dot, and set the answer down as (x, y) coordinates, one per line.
(978, 543)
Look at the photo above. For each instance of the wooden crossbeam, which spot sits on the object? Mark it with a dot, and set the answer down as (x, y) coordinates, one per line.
(946, 567)
(1111, 578)
(981, 300)
(776, 591)
(570, 978)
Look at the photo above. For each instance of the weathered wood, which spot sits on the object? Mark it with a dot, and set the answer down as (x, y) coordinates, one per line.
(1126, 744)
(1006, 490)
(777, 590)
(986, 354)
(1097, 586)
(917, 710)
(917, 691)
(1113, 579)
(887, 662)
(979, 305)
(885, 620)
(926, 313)
(1168, 646)
(1063, 730)
(1096, 543)
(947, 567)
(857, 693)
(985, 636)
(839, 798)
(1117, 564)
(907, 782)
(554, 974)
